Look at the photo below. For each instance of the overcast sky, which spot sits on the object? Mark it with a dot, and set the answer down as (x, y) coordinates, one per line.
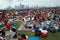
(47, 3)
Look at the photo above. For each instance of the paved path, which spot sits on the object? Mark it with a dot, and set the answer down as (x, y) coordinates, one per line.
(21, 27)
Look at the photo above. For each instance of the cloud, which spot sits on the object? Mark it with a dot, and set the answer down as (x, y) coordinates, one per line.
(30, 2)
(3, 4)
(6, 3)
(47, 3)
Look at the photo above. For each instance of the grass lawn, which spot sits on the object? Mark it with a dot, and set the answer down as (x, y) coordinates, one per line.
(18, 23)
(51, 36)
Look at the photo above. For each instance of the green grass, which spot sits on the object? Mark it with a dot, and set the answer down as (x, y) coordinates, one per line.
(51, 36)
(29, 33)
(18, 23)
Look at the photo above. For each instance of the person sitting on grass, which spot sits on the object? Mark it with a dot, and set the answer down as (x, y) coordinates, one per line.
(22, 37)
(47, 27)
(30, 24)
(59, 21)
(13, 33)
(19, 37)
(37, 32)
(2, 23)
(11, 21)
(52, 23)
(43, 32)
(7, 25)
(7, 34)
(56, 27)
(35, 27)
(2, 33)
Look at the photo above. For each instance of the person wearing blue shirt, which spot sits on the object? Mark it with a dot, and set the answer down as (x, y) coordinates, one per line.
(40, 26)
(53, 22)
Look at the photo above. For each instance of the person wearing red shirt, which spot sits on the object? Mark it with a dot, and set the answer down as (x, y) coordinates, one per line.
(8, 25)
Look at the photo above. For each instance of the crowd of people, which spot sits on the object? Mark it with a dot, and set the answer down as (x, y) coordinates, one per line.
(41, 23)
(48, 20)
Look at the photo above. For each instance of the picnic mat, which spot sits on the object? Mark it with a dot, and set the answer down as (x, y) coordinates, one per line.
(33, 38)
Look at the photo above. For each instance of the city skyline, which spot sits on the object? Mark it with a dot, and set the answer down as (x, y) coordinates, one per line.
(40, 3)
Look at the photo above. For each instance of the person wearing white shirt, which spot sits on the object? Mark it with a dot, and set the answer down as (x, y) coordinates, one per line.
(11, 21)
(43, 32)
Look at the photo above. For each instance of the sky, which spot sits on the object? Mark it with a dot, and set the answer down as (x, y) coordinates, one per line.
(12, 3)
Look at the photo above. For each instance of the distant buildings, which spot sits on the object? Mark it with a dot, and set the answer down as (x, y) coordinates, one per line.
(21, 6)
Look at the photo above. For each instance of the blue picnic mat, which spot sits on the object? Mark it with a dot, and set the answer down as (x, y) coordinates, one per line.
(33, 38)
